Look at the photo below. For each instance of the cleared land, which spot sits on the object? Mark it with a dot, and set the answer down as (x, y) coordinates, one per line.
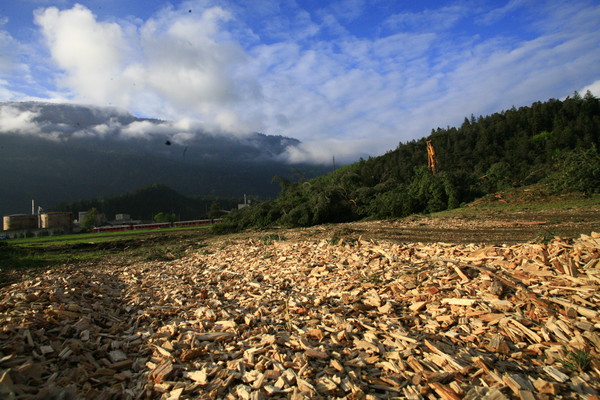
(352, 311)
(510, 217)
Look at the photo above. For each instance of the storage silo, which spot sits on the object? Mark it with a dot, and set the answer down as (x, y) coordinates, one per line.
(19, 221)
(57, 220)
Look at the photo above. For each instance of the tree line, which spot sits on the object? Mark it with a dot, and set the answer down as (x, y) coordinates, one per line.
(555, 142)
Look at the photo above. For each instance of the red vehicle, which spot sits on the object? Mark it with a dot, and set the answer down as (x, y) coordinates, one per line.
(157, 225)
(196, 222)
(113, 228)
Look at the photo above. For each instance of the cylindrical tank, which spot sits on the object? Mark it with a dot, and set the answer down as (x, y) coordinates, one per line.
(57, 220)
(19, 221)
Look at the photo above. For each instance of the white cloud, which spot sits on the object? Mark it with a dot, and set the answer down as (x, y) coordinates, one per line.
(594, 88)
(142, 129)
(90, 53)
(6, 44)
(348, 10)
(12, 120)
(34, 120)
(428, 20)
(11, 66)
(498, 13)
(325, 151)
(181, 132)
(175, 64)
(186, 65)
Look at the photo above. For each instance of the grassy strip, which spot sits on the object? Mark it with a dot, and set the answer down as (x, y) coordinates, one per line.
(95, 237)
(485, 209)
(22, 258)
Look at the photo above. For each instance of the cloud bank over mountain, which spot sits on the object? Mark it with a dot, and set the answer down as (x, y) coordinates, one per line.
(111, 127)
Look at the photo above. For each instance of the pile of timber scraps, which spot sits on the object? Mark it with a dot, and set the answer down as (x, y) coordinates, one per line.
(313, 320)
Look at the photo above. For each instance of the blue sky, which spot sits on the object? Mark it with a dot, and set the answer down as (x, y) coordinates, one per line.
(349, 78)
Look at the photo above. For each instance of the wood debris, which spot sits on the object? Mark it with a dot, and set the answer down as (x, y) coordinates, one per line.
(311, 319)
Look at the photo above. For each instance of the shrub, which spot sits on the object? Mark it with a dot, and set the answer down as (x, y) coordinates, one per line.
(579, 170)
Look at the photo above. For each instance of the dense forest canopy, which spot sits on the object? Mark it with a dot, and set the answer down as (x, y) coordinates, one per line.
(555, 141)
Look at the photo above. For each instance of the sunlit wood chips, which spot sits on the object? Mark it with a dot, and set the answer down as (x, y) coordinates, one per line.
(312, 319)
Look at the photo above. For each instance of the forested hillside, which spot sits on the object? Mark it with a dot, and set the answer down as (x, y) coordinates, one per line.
(555, 142)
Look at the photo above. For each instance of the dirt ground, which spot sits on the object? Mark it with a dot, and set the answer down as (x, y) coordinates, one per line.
(463, 226)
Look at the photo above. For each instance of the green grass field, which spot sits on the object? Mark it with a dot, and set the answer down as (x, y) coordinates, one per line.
(25, 257)
(95, 237)
(512, 203)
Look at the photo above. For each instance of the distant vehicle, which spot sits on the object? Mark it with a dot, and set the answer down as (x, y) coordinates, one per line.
(3, 237)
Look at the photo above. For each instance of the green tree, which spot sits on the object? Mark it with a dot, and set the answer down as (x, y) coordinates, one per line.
(162, 217)
(89, 220)
(427, 192)
(215, 210)
(497, 178)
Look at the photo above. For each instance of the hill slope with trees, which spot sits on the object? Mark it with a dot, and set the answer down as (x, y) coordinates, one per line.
(554, 141)
(148, 202)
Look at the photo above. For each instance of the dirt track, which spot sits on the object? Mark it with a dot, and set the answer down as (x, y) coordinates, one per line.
(479, 226)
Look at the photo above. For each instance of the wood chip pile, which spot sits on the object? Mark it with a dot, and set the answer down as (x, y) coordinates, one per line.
(312, 319)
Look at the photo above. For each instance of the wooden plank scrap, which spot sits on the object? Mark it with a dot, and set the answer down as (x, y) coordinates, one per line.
(417, 306)
(312, 353)
(586, 312)
(444, 392)
(545, 387)
(459, 302)
(555, 374)
(162, 371)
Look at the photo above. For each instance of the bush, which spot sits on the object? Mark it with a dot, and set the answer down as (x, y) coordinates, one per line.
(497, 178)
(162, 217)
(578, 170)
(299, 216)
(269, 238)
(224, 227)
(259, 216)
